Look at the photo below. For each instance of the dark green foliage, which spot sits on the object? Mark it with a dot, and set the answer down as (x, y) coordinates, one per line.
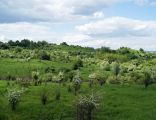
(57, 94)
(148, 79)
(78, 64)
(44, 56)
(69, 88)
(44, 96)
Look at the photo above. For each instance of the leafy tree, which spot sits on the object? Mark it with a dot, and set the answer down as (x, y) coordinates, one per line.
(14, 98)
(86, 105)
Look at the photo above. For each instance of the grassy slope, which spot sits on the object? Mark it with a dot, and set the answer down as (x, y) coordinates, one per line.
(118, 103)
(19, 68)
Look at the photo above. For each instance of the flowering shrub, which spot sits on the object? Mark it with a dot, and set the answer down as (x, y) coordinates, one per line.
(14, 98)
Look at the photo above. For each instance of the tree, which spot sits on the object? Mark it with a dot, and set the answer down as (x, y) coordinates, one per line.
(76, 83)
(86, 105)
(64, 43)
(35, 77)
(14, 98)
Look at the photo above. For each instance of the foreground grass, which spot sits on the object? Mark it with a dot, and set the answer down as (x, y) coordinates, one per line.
(117, 103)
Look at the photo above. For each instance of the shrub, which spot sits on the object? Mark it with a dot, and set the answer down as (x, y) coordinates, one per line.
(86, 105)
(14, 98)
(76, 83)
(44, 56)
(113, 80)
(35, 76)
(78, 64)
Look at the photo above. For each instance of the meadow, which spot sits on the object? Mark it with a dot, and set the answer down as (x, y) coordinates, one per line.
(117, 103)
(42, 81)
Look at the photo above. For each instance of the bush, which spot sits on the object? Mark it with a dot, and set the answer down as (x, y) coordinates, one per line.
(44, 56)
(86, 105)
(14, 98)
(76, 83)
(78, 64)
(35, 76)
(113, 80)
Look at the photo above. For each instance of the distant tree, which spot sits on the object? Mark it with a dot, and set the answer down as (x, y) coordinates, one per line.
(64, 43)
(4, 46)
(141, 50)
(25, 43)
(105, 49)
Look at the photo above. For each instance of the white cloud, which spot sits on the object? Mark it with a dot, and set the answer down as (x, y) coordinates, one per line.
(53, 9)
(116, 32)
(119, 26)
(18, 31)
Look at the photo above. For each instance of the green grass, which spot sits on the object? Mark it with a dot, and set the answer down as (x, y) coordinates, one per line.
(117, 103)
(21, 68)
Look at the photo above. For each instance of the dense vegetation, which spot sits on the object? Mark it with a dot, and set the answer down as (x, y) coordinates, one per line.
(44, 81)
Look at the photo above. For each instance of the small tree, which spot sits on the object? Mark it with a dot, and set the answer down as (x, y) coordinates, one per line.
(14, 98)
(92, 79)
(86, 105)
(35, 77)
(60, 77)
(76, 83)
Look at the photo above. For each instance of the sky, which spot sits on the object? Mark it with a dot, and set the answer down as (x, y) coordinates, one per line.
(91, 23)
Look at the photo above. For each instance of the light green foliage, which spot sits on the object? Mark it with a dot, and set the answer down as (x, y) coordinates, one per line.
(115, 68)
(77, 81)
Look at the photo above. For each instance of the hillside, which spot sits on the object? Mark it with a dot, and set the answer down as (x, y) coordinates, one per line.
(60, 74)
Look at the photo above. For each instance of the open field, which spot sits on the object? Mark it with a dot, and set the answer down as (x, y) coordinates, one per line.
(117, 103)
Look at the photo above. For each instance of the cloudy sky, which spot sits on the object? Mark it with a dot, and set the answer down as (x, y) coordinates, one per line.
(94, 23)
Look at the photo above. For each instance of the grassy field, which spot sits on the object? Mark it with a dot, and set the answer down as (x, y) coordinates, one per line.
(21, 68)
(117, 103)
